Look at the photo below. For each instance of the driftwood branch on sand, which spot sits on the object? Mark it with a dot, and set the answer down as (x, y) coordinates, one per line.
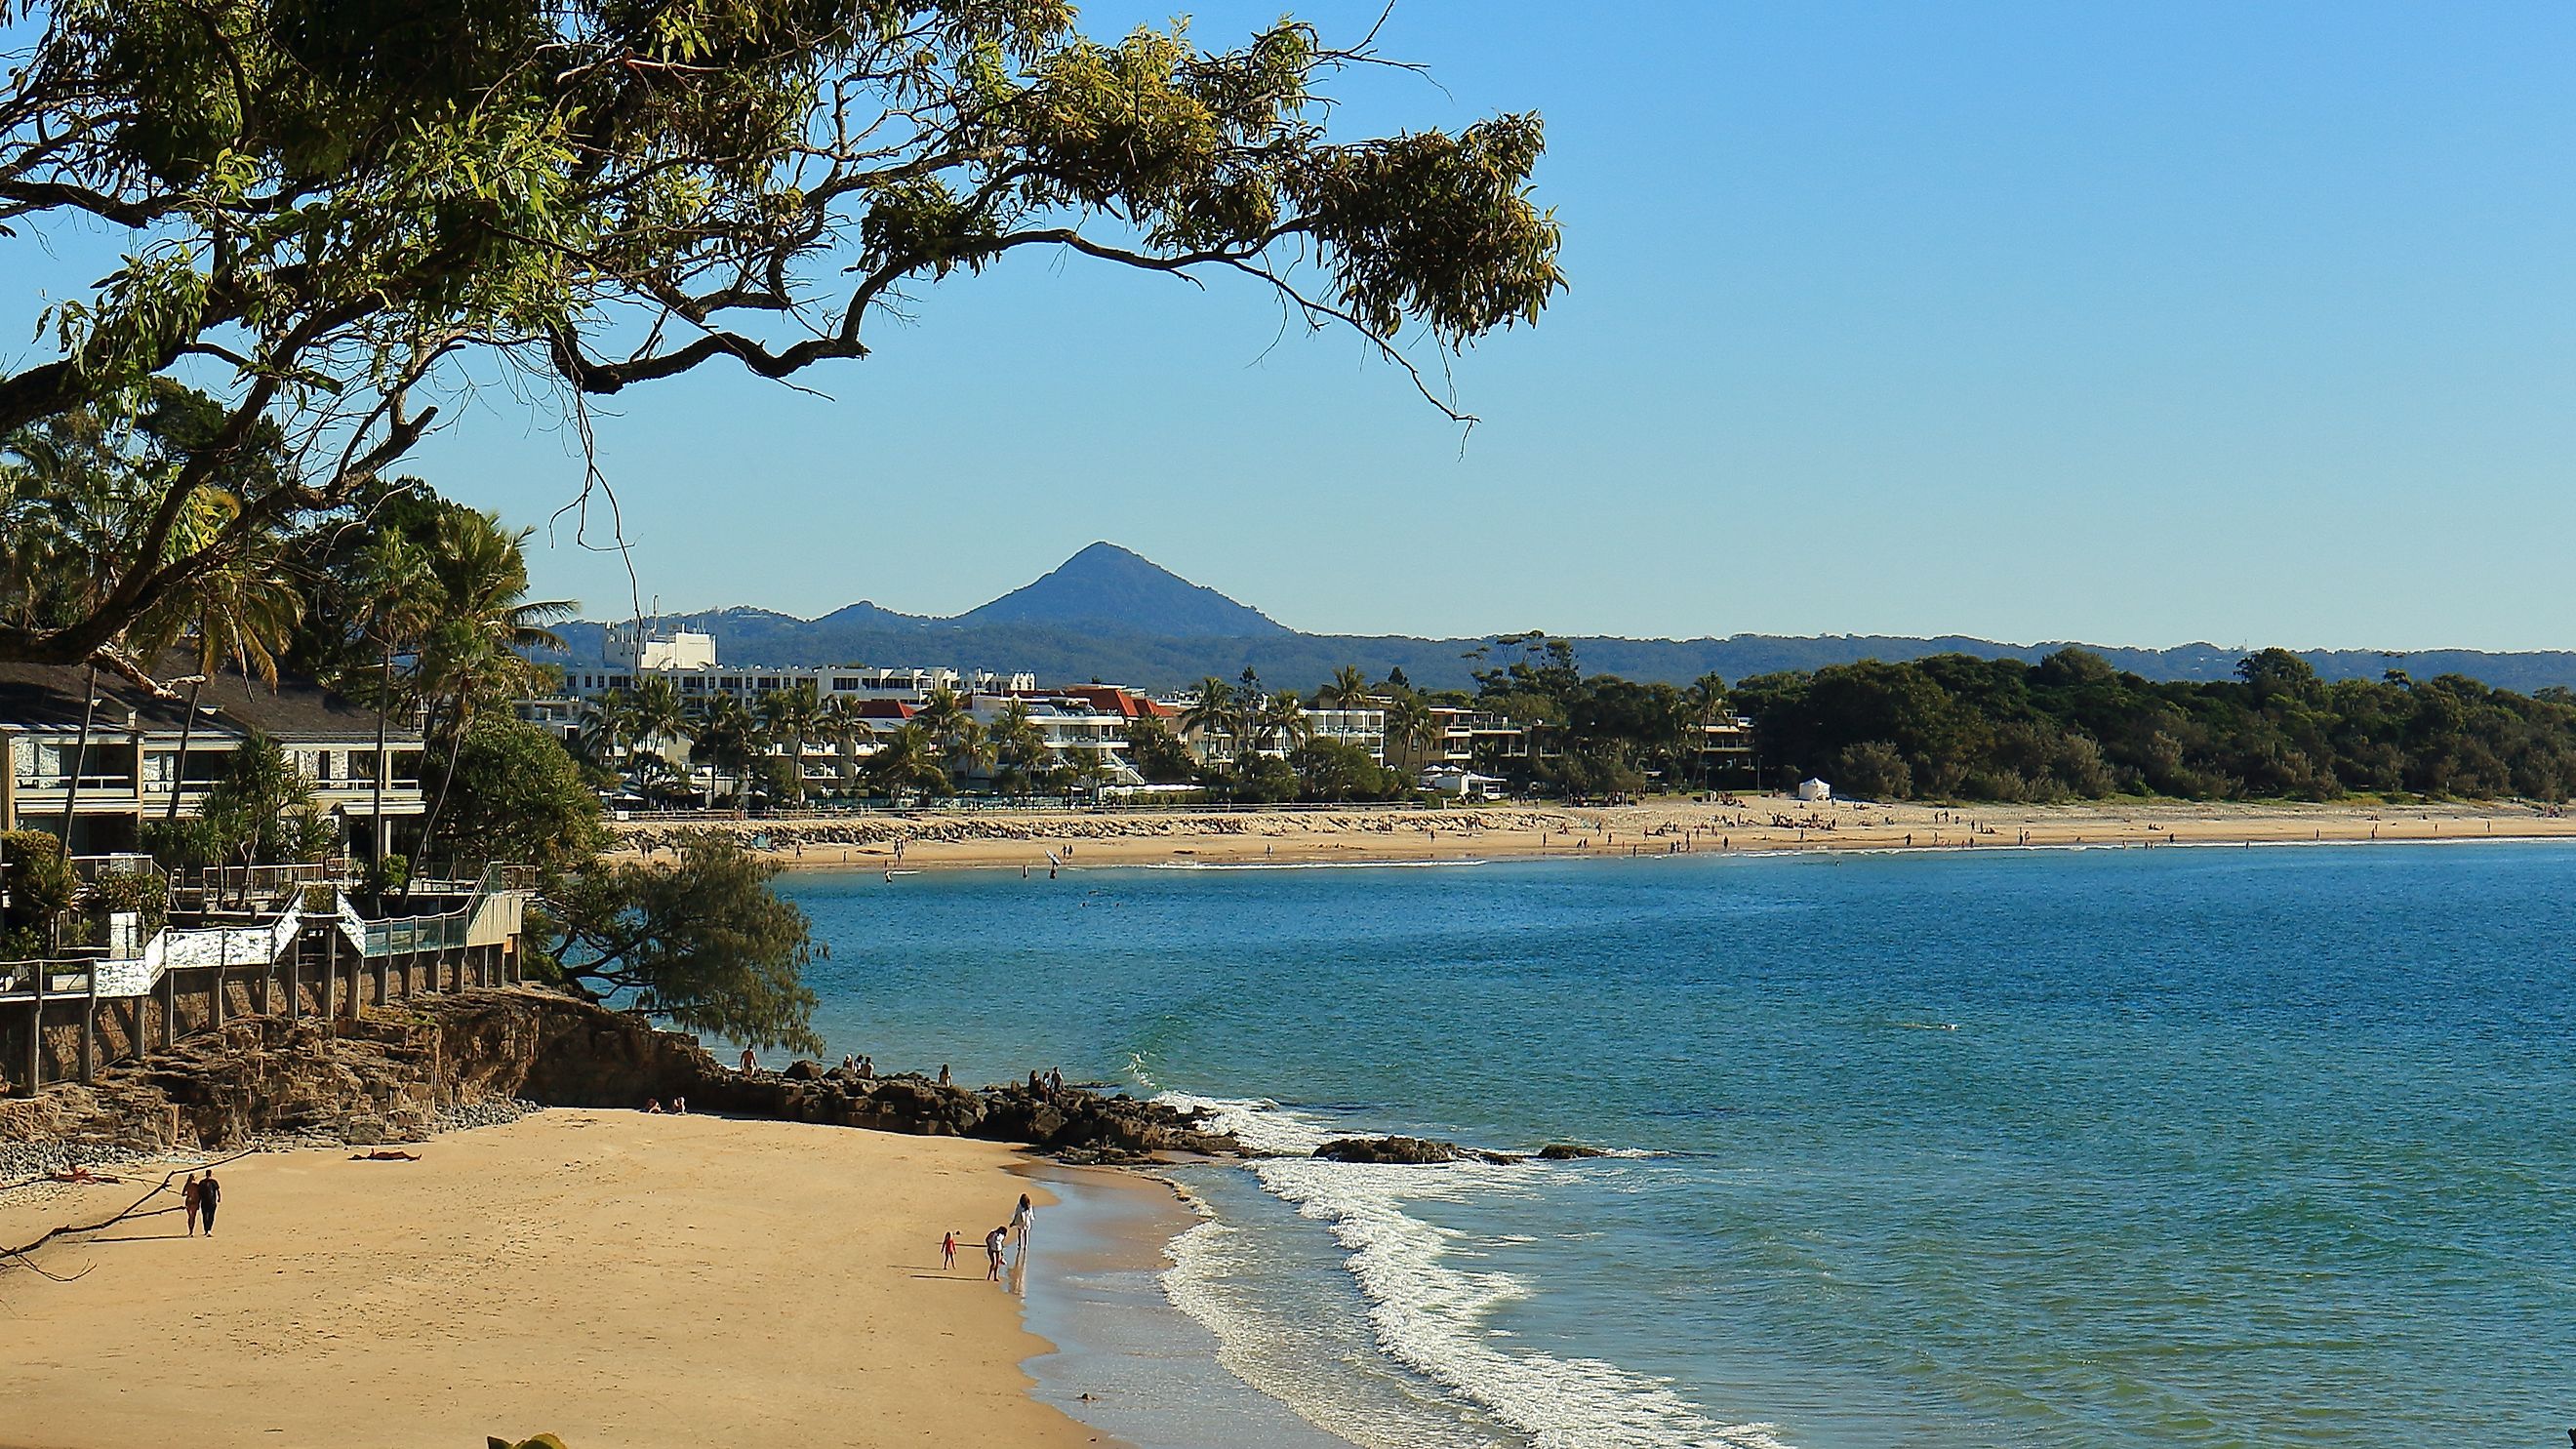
(22, 1255)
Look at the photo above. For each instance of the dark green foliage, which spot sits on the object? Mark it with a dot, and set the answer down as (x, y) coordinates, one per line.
(146, 893)
(1331, 771)
(41, 886)
(701, 941)
(1157, 755)
(1873, 770)
(261, 812)
(350, 202)
(518, 797)
(1261, 780)
(1953, 726)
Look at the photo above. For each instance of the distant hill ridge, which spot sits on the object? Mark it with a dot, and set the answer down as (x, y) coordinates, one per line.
(1108, 613)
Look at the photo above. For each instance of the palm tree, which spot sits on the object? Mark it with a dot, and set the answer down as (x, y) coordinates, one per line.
(1707, 702)
(1280, 717)
(474, 655)
(725, 738)
(396, 602)
(241, 612)
(660, 714)
(1019, 746)
(941, 713)
(1412, 731)
(607, 728)
(967, 749)
(906, 760)
(842, 724)
(1089, 768)
(791, 716)
(1349, 689)
(1213, 713)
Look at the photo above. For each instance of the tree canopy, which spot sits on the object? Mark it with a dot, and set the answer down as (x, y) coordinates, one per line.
(342, 209)
(701, 941)
(1957, 727)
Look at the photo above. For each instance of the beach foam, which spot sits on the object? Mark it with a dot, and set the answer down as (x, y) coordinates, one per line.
(1426, 1309)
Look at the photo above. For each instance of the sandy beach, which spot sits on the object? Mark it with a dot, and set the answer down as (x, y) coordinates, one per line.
(614, 1278)
(1025, 838)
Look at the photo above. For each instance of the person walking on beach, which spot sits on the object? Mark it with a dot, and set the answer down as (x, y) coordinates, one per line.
(188, 1199)
(948, 1250)
(209, 1193)
(993, 1254)
(1020, 1221)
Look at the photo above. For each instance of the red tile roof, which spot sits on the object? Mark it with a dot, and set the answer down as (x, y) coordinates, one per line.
(1110, 699)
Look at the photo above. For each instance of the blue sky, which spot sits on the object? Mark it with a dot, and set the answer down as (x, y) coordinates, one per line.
(2137, 324)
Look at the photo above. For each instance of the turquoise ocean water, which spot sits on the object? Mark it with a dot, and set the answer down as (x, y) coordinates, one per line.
(2116, 1147)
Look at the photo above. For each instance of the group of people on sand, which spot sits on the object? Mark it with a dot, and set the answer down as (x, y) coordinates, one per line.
(997, 1243)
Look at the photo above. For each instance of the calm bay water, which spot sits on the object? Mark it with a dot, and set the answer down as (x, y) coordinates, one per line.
(2183, 1146)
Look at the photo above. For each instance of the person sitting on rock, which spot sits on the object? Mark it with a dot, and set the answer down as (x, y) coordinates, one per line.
(679, 1106)
(653, 1107)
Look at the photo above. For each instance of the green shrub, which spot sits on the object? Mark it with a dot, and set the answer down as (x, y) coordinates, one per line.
(40, 882)
(146, 893)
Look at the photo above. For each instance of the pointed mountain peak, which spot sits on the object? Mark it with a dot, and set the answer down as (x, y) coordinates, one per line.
(1117, 590)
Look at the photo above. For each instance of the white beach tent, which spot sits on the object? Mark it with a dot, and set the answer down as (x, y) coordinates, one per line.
(1812, 788)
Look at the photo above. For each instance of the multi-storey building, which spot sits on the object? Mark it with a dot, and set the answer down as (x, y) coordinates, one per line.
(143, 757)
(1080, 720)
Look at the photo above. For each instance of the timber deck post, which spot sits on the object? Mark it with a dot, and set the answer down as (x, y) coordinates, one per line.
(169, 1009)
(89, 1029)
(36, 1032)
(330, 969)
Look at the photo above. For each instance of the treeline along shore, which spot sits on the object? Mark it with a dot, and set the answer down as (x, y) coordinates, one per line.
(1956, 727)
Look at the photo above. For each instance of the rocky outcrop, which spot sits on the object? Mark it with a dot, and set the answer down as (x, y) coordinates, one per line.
(1406, 1151)
(1569, 1152)
(393, 1075)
